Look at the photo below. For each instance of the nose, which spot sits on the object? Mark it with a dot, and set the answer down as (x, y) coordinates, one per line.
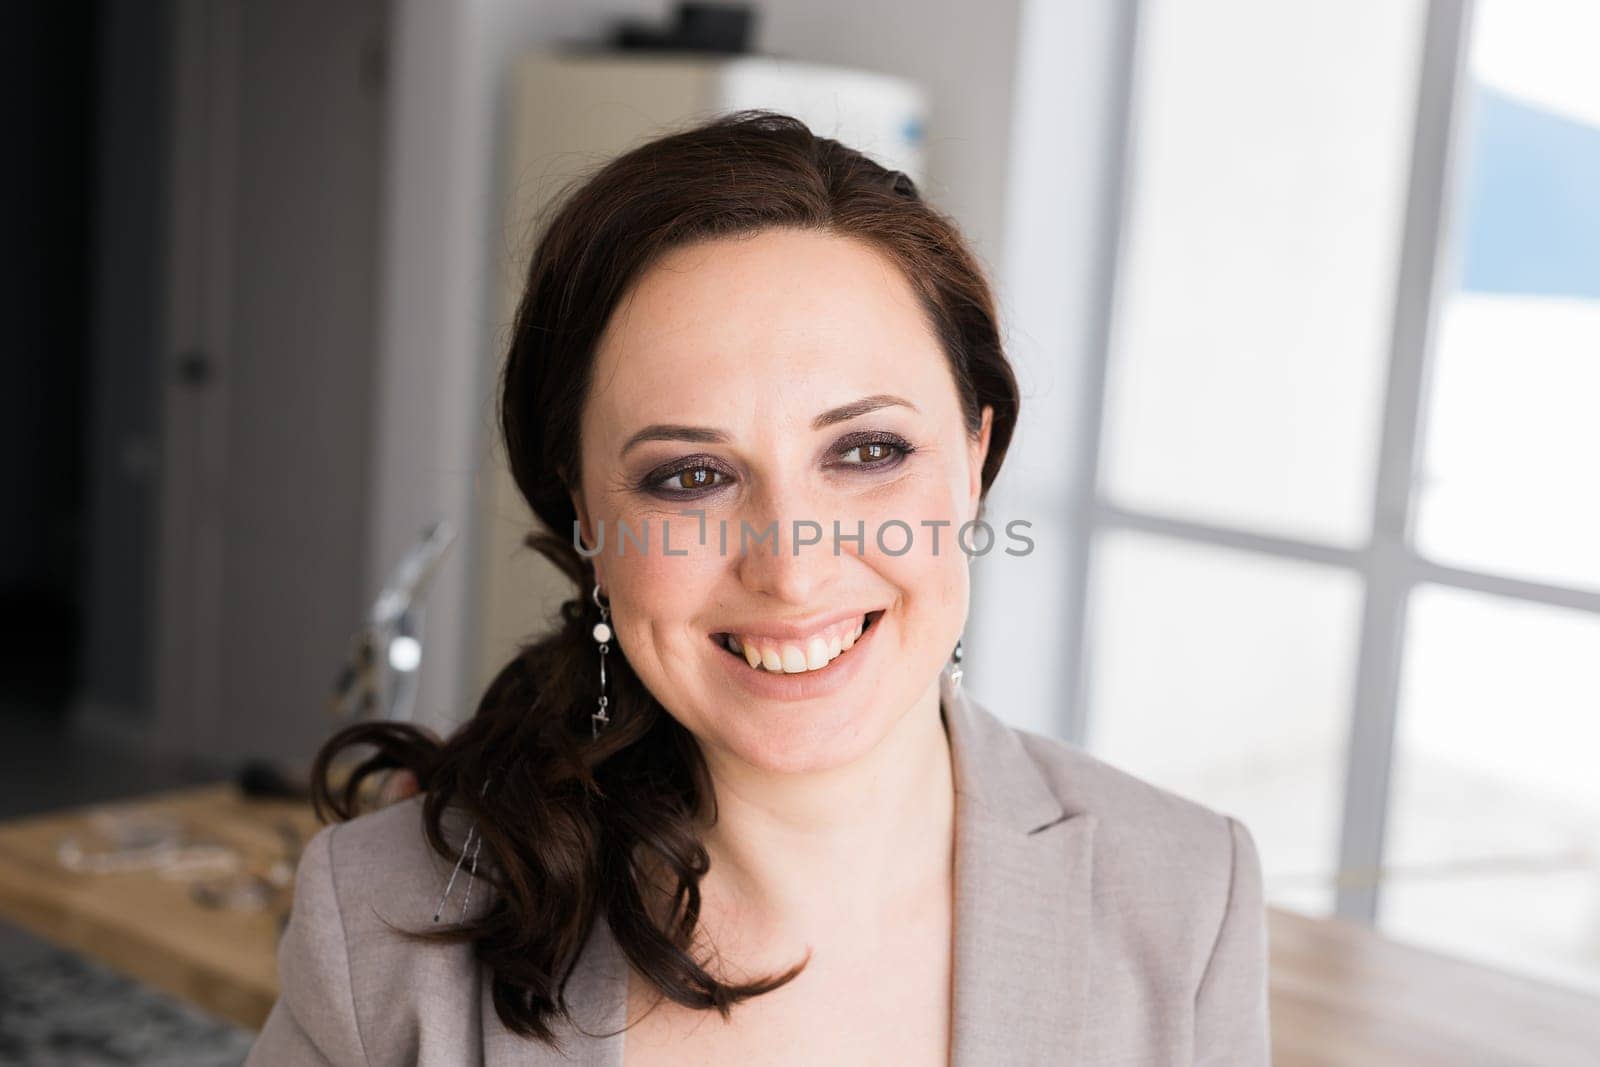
(804, 565)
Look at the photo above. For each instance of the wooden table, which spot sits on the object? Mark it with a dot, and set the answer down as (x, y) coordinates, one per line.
(150, 927)
(1341, 994)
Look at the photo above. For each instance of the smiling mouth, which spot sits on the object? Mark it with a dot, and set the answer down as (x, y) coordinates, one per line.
(795, 657)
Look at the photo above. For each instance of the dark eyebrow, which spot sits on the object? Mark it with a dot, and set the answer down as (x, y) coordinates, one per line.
(858, 408)
(702, 435)
(666, 432)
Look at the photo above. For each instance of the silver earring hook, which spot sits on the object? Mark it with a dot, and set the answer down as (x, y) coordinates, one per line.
(601, 717)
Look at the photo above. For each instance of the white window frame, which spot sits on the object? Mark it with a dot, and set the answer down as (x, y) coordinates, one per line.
(1388, 565)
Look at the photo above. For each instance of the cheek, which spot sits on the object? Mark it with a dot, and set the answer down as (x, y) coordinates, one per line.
(924, 512)
(936, 586)
(653, 595)
(933, 574)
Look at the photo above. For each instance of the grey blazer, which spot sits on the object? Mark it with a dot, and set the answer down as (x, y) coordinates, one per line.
(1098, 920)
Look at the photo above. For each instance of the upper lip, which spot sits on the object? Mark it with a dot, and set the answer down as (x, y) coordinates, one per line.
(779, 630)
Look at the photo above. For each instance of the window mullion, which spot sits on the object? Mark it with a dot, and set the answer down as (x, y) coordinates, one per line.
(1418, 288)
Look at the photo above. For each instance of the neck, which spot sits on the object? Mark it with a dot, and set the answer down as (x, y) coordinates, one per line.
(842, 849)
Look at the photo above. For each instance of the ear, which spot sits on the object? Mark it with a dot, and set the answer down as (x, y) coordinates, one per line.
(978, 452)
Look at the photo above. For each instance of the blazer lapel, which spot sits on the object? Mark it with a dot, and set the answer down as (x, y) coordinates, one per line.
(1022, 920)
(1022, 908)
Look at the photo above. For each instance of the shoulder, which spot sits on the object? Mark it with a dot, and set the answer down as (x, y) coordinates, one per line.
(1134, 814)
(382, 859)
(1175, 884)
(373, 879)
(1168, 867)
(387, 877)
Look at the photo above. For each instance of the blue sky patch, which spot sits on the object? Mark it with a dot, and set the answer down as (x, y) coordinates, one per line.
(1532, 201)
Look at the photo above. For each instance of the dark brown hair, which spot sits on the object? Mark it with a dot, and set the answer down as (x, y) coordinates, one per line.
(573, 826)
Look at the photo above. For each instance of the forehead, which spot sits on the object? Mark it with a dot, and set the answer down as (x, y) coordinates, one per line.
(782, 317)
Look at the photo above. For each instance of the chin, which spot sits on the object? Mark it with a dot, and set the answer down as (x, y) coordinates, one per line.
(821, 740)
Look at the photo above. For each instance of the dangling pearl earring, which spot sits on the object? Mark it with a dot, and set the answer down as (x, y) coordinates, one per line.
(602, 635)
(955, 664)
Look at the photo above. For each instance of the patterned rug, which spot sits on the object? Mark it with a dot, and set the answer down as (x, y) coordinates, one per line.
(58, 1009)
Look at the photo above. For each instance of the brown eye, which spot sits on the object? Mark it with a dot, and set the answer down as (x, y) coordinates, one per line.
(870, 453)
(694, 478)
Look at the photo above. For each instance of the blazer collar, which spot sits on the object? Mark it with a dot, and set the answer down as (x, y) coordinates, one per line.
(1022, 919)
(1023, 867)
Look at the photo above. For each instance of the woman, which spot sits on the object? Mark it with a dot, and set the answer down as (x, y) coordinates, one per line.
(736, 807)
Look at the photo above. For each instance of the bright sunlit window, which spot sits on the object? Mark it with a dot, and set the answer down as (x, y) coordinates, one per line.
(1345, 579)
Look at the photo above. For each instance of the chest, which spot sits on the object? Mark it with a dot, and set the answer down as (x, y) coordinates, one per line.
(883, 1002)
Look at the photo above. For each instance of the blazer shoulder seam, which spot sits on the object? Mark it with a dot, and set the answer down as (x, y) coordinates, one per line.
(1227, 904)
(344, 944)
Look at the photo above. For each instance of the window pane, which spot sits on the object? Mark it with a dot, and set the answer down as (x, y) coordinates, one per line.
(1493, 841)
(1513, 450)
(1513, 446)
(1226, 678)
(1256, 287)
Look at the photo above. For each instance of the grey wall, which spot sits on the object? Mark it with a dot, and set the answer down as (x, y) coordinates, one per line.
(306, 239)
(123, 427)
(272, 183)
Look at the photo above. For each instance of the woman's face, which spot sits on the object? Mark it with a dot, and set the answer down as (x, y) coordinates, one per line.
(786, 377)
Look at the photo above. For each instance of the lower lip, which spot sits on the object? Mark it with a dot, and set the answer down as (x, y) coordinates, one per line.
(802, 685)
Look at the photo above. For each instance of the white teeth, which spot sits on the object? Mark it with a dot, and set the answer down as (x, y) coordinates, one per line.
(817, 653)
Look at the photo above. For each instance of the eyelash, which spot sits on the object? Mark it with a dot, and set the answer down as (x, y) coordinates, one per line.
(652, 482)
